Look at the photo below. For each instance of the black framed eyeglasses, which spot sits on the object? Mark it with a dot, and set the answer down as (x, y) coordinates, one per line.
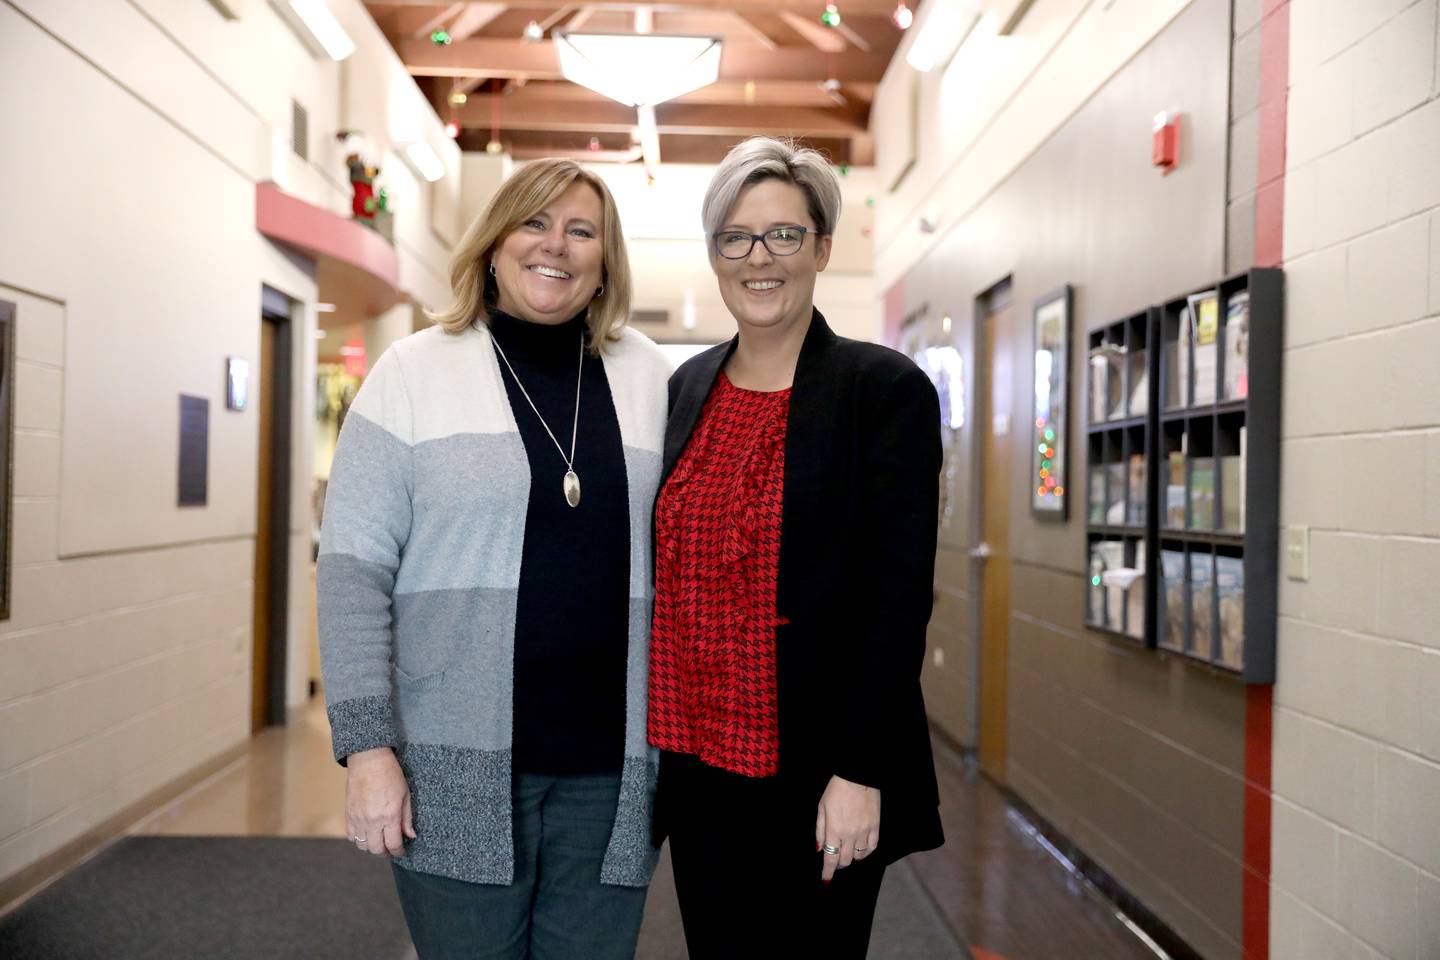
(781, 242)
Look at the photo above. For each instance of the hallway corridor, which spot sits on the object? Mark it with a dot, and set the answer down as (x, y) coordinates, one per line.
(993, 886)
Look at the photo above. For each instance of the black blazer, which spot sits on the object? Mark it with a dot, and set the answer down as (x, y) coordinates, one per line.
(856, 579)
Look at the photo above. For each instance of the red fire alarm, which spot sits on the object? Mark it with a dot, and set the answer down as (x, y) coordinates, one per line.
(1165, 141)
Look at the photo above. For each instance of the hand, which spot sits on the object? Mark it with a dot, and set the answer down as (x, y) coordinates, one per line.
(377, 802)
(848, 821)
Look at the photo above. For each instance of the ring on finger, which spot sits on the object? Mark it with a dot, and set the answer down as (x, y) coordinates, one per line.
(861, 849)
(831, 850)
(358, 839)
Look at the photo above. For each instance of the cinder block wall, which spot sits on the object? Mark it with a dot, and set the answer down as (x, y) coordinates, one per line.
(1356, 852)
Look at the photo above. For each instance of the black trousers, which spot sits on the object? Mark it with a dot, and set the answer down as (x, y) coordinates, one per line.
(747, 873)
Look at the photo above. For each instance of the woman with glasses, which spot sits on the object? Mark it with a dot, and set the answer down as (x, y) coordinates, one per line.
(795, 547)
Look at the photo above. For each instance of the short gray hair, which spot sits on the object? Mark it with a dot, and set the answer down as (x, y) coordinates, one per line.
(765, 158)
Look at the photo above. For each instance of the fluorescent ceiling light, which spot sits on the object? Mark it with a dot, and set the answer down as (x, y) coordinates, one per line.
(939, 29)
(639, 69)
(426, 162)
(317, 26)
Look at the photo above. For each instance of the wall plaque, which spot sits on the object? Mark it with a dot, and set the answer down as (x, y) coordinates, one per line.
(194, 450)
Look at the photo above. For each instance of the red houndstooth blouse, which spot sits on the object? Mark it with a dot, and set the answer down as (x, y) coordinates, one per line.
(717, 553)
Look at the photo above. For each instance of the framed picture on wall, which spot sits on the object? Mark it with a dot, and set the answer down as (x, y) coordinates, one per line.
(1050, 443)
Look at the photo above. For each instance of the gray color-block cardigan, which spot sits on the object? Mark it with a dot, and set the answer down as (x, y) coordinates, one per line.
(418, 575)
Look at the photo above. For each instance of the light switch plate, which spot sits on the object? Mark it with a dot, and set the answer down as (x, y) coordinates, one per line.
(1297, 553)
(939, 656)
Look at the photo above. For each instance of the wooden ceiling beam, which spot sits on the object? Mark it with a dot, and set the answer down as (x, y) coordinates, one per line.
(771, 31)
(510, 113)
(806, 8)
(870, 32)
(777, 93)
(437, 20)
(407, 21)
(699, 118)
(712, 149)
(474, 18)
(632, 155)
(582, 16)
(816, 33)
(515, 58)
(763, 93)
(675, 148)
(509, 25)
(670, 118)
(465, 85)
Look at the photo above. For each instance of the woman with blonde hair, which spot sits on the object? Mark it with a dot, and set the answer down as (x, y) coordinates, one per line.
(485, 586)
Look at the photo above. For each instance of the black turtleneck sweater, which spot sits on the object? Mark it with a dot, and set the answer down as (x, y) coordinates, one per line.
(571, 618)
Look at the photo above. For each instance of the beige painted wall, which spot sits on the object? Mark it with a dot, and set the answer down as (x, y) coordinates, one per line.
(1357, 733)
(1001, 97)
(140, 270)
(480, 176)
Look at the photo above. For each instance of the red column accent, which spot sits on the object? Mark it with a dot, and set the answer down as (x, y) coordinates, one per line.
(1274, 104)
(1255, 907)
(1269, 252)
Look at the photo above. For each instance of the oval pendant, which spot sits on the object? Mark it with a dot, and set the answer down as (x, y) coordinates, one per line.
(572, 489)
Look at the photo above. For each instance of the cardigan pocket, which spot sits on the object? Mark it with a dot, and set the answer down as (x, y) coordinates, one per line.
(420, 706)
(405, 680)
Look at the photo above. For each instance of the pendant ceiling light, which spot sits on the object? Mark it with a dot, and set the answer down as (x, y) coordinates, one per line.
(639, 69)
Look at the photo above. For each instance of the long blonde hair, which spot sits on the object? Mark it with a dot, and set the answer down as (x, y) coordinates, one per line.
(532, 188)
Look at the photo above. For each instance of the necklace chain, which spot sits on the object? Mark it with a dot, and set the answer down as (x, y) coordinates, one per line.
(575, 429)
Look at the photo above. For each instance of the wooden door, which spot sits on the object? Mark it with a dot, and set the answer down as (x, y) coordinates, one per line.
(997, 429)
(262, 395)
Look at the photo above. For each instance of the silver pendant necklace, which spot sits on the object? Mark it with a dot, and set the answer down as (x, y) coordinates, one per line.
(572, 480)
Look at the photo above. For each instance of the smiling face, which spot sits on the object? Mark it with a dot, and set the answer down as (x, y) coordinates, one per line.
(549, 267)
(763, 290)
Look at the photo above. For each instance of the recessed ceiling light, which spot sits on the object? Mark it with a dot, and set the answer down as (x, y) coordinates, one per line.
(943, 26)
(317, 26)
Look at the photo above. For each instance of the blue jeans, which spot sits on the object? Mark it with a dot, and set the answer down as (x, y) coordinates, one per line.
(556, 908)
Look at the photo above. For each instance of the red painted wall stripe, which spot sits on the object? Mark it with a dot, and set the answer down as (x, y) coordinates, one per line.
(1269, 252)
(1274, 105)
(1255, 886)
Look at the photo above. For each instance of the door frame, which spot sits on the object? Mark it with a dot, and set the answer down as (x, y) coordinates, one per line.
(276, 308)
(988, 302)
